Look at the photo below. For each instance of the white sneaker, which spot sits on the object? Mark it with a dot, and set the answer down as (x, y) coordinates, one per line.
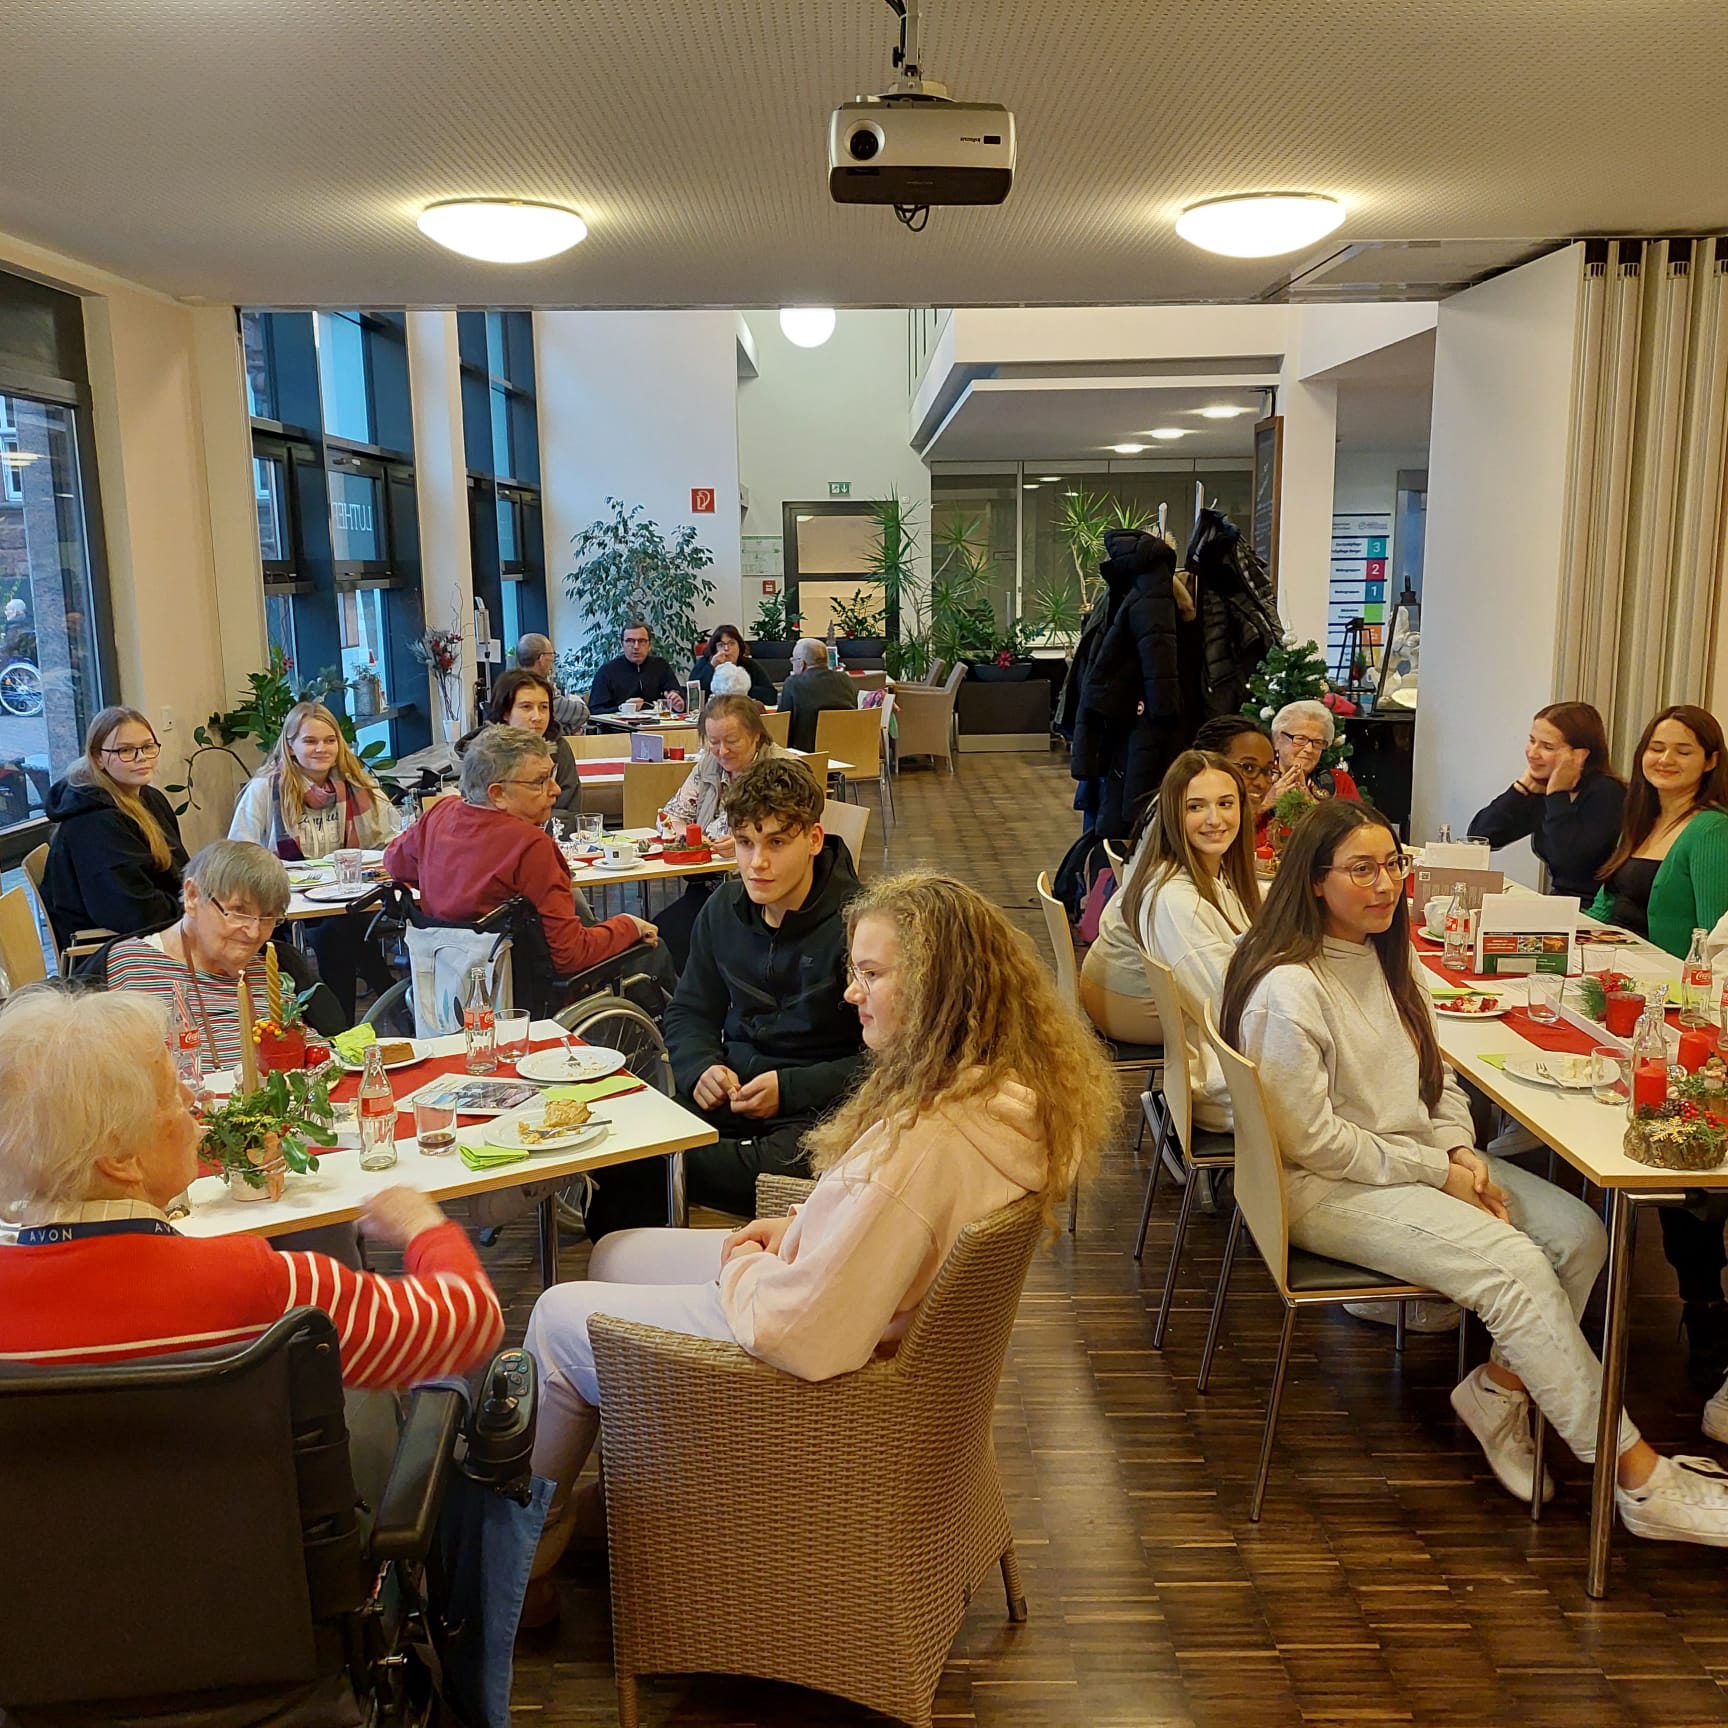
(1685, 1500)
(1420, 1316)
(1500, 1420)
(1715, 1422)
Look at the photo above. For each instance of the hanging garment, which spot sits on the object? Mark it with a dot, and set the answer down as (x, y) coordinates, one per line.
(1237, 612)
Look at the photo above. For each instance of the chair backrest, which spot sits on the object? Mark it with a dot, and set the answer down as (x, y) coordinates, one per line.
(36, 866)
(1117, 860)
(681, 738)
(869, 680)
(956, 677)
(933, 673)
(886, 710)
(779, 727)
(35, 869)
(1178, 1084)
(110, 1470)
(649, 787)
(853, 736)
(1259, 1163)
(588, 745)
(817, 762)
(777, 1195)
(1061, 939)
(20, 941)
(926, 721)
(849, 821)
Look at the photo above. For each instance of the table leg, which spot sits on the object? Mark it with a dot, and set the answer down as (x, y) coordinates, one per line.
(677, 1211)
(548, 1241)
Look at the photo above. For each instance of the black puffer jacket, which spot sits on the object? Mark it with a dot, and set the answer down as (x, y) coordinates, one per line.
(100, 875)
(761, 999)
(1238, 614)
(1129, 727)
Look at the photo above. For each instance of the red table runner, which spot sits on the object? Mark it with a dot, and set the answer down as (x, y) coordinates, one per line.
(1562, 1037)
(406, 1081)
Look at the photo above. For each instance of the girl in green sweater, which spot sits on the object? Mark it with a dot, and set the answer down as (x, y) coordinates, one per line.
(1669, 874)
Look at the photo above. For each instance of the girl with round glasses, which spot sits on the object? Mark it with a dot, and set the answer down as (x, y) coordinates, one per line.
(115, 855)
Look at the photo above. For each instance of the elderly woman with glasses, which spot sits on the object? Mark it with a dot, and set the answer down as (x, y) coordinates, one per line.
(235, 893)
(469, 855)
(1302, 732)
(115, 855)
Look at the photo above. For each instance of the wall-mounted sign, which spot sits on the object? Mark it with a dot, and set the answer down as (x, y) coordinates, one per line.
(839, 488)
(701, 500)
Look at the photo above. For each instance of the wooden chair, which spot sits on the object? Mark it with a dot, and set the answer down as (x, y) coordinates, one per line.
(648, 786)
(83, 941)
(899, 1516)
(1303, 1280)
(20, 941)
(869, 680)
(682, 738)
(1168, 1110)
(779, 727)
(849, 821)
(856, 738)
(588, 745)
(817, 762)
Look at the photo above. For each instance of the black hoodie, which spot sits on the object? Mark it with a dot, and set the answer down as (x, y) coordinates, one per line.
(100, 875)
(760, 999)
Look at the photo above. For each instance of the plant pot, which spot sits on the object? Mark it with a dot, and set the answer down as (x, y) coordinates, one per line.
(862, 647)
(240, 1189)
(285, 1050)
(769, 649)
(451, 723)
(987, 672)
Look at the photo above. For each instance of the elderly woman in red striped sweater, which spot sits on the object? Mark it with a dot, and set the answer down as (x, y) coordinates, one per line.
(97, 1135)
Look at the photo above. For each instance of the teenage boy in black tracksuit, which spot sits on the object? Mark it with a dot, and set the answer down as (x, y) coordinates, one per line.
(762, 1040)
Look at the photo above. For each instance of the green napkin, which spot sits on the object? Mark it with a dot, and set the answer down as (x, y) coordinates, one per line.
(489, 1157)
(591, 1091)
(351, 1045)
(1495, 1061)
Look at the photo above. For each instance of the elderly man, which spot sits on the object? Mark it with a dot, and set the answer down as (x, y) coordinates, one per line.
(811, 689)
(635, 677)
(534, 654)
(468, 856)
(98, 1136)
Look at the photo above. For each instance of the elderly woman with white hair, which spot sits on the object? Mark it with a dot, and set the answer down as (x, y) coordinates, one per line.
(98, 1135)
(1302, 732)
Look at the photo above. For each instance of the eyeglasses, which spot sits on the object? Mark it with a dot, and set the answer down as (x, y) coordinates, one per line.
(865, 981)
(539, 785)
(243, 920)
(1366, 872)
(1255, 770)
(133, 752)
(1307, 738)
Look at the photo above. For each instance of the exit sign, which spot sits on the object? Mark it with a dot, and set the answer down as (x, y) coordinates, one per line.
(839, 488)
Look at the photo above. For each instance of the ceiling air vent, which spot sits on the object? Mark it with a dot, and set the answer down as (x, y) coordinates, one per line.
(1406, 269)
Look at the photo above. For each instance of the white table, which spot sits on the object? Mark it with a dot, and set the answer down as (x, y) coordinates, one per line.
(615, 766)
(1588, 1136)
(645, 1124)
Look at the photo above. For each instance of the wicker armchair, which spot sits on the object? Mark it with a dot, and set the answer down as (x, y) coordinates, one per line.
(898, 1510)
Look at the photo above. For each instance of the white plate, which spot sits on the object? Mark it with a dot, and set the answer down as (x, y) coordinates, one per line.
(618, 869)
(389, 1067)
(506, 1131)
(585, 1062)
(337, 893)
(1556, 1063)
(1444, 1008)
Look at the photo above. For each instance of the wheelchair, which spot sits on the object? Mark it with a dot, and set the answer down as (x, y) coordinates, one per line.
(187, 1546)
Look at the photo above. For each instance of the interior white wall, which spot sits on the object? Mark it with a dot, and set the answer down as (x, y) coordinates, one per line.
(640, 406)
(1503, 368)
(1368, 479)
(813, 415)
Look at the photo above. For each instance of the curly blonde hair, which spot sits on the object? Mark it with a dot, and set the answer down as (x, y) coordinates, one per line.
(281, 761)
(976, 1008)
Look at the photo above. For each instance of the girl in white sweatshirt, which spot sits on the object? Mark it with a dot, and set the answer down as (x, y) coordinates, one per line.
(984, 1086)
(1188, 895)
(1382, 1170)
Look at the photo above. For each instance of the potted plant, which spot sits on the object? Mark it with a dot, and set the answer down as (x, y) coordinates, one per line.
(626, 569)
(1290, 808)
(1010, 660)
(440, 652)
(281, 1034)
(858, 625)
(775, 632)
(257, 1138)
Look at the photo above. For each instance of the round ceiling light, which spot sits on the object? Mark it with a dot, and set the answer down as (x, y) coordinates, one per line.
(1222, 411)
(807, 326)
(502, 230)
(1127, 449)
(1260, 224)
(1049, 479)
(1168, 432)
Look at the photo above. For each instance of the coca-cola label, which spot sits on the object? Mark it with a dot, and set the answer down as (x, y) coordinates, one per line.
(478, 1019)
(189, 1039)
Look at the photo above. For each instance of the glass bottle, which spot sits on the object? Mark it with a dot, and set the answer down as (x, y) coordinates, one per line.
(1460, 932)
(1650, 1055)
(1695, 982)
(377, 1113)
(478, 1025)
(189, 1058)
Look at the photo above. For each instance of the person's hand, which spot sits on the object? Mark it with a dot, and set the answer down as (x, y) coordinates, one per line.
(763, 1233)
(715, 1086)
(760, 1098)
(1567, 771)
(645, 932)
(1469, 1180)
(724, 847)
(1293, 779)
(748, 1246)
(397, 1215)
(675, 702)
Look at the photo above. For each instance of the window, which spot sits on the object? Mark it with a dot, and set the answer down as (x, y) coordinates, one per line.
(260, 371)
(342, 383)
(268, 483)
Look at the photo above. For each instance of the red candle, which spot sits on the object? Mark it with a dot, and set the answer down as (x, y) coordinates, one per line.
(1696, 1045)
(1622, 1010)
(692, 835)
(1649, 1085)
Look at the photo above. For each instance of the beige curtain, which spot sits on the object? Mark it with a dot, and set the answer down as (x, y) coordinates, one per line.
(1646, 520)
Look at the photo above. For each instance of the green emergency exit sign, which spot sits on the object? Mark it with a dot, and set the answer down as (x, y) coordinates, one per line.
(839, 488)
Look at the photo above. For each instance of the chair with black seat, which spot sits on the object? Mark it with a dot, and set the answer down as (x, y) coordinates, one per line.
(1302, 1280)
(195, 1547)
(1168, 1109)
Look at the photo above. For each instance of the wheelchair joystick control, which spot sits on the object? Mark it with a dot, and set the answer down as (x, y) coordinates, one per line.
(500, 1430)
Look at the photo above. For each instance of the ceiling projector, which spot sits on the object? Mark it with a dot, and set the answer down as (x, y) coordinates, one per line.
(914, 146)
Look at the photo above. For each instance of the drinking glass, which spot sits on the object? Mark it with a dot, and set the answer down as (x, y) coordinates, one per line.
(434, 1127)
(1608, 1074)
(1545, 988)
(590, 827)
(350, 866)
(512, 1031)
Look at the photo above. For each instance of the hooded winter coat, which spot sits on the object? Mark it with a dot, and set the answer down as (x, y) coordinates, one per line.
(100, 875)
(1238, 614)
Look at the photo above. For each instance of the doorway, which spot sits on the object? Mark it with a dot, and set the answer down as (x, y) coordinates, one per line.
(829, 548)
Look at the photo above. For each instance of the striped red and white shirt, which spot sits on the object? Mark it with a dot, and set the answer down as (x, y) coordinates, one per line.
(115, 1298)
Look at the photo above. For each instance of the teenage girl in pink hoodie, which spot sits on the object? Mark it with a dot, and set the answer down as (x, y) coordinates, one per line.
(984, 1087)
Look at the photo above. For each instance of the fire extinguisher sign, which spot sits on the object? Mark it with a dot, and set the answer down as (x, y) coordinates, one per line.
(701, 500)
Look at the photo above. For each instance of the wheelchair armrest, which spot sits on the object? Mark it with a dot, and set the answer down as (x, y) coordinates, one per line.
(414, 1495)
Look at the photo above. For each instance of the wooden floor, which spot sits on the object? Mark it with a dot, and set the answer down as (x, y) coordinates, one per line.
(1390, 1580)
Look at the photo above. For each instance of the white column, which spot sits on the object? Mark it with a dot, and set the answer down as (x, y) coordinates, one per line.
(1305, 503)
(441, 487)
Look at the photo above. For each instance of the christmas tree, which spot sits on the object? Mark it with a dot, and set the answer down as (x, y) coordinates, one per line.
(1293, 672)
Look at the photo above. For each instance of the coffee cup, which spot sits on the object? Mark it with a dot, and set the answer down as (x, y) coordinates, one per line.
(630, 705)
(620, 852)
(1434, 913)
